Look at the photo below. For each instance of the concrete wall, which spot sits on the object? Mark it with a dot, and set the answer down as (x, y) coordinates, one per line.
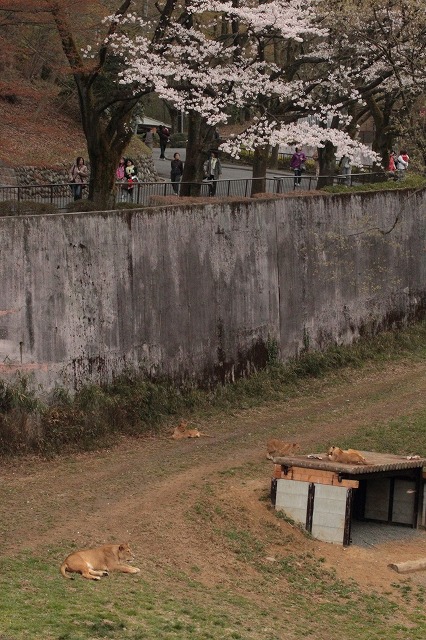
(200, 291)
(328, 520)
(292, 498)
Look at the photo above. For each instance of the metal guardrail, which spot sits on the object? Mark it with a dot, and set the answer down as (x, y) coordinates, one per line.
(57, 194)
(143, 192)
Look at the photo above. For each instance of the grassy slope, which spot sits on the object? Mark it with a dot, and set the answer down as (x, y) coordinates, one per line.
(216, 561)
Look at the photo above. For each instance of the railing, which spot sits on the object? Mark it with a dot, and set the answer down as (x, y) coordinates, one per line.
(57, 194)
(143, 192)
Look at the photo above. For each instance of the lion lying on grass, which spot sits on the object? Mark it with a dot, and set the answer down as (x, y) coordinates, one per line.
(181, 432)
(96, 563)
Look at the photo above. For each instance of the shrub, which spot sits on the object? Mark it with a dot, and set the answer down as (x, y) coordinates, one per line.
(129, 205)
(284, 162)
(81, 205)
(86, 206)
(178, 140)
(411, 181)
(26, 208)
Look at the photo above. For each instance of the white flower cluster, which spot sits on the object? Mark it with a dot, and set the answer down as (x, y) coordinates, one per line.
(263, 132)
(197, 72)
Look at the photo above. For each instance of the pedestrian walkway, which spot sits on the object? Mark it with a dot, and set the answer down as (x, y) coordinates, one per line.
(229, 171)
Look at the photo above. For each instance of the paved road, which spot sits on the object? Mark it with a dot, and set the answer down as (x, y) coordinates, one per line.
(229, 171)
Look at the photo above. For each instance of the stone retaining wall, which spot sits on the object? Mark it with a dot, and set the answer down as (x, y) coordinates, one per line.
(205, 292)
(25, 176)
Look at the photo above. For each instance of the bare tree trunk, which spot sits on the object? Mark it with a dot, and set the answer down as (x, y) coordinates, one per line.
(260, 163)
(200, 139)
(273, 160)
(105, 143)
(384, 132)
(327, 162)
(106, 117)
(103, 163)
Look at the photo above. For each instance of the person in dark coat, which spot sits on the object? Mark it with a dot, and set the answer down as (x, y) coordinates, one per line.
(163, 134)
(176, 172)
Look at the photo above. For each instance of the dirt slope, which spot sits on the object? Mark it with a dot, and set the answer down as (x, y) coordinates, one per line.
(167, 497)
(38, 128)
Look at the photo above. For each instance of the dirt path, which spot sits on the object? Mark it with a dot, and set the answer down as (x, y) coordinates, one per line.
(157, 493)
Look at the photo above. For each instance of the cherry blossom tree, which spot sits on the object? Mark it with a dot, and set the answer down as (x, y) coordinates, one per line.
(106, 107)
(381, 43)
(282, 59)
(205, 76)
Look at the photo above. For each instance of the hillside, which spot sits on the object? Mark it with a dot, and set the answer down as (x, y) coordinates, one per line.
(39, 127)
(216, 561)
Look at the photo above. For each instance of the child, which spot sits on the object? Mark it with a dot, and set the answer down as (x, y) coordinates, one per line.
(131, 177)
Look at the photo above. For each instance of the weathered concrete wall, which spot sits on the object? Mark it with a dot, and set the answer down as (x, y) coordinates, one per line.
(200, 291)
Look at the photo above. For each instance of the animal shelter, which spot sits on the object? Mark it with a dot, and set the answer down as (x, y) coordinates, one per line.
(328, 497)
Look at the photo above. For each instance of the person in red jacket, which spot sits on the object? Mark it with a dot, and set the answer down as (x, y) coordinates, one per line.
(392, 165)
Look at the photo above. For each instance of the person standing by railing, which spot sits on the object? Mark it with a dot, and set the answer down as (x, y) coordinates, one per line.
(120, 176)
(176, 172)
(297, 163)
(213, 171)
(131, 177)
(345, 169)
(392, 166)
(401, 164)
(78, 177)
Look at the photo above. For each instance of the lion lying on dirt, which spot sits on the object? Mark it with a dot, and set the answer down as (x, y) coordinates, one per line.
(348, 456)
(276, 448)
(181, 431)
(98, 562)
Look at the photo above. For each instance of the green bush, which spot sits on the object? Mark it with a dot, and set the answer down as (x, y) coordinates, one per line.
(284, 162)
(26, 208)
(178, 140)
(127, 205)
(410, 181)
(86, 206)
(82, 205)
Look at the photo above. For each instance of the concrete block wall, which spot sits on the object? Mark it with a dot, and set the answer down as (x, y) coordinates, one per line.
(328, 520)
(201, 292)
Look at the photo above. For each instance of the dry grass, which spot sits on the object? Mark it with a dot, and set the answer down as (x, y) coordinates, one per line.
(36, 131)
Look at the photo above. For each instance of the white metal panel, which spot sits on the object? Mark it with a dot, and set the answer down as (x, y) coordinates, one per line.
(328, 521)
(292, 497)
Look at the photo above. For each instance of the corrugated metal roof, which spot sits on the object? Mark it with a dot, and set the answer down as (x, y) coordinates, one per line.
(151, 122)
(376, 462)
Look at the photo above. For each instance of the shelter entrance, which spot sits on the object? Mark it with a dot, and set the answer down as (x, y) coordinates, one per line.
(330, 499)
